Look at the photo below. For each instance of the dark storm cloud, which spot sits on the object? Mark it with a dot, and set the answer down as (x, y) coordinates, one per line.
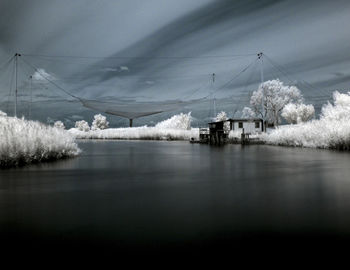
(309, 39)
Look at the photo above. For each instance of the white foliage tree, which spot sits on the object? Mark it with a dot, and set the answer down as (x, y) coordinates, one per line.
(306, 112)
(100, 122)
(222, 116)
(59, 124)
(82, 125)
(297, 113)
(3, 114)
(271, 97)
(248, 113)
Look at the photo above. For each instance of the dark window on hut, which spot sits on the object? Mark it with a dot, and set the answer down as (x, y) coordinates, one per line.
(240, 124)
(257, 124)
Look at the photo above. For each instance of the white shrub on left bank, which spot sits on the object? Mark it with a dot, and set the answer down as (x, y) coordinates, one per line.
(23, 142)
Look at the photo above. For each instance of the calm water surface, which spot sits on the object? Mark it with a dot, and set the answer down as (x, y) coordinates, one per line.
(145, 194)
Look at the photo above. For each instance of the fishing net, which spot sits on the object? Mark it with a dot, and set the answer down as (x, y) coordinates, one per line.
(136, 109)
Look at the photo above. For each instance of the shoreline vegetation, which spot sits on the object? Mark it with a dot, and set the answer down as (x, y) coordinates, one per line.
(178, 127)
(330, 131)
(137, 133)
(23, 142)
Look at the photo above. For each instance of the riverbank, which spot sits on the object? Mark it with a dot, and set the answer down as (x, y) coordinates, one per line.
(137, 133)
(331, 131)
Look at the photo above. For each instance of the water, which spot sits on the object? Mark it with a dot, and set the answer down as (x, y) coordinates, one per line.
(145, 195)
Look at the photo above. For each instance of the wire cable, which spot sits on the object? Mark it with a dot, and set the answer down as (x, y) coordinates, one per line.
(52, 82)
(137, 57)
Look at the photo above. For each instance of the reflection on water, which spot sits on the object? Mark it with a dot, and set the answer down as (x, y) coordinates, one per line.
(155, 194)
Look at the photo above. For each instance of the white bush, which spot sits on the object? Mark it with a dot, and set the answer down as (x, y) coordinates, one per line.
(23, 142)
(178, 127)
(82, 125)
(332, 130)
(222, 116)
(59, 124)
(179, 121)
(297, 113)
(340, 110)
(3, 114)
(100, 122)
(138, 133)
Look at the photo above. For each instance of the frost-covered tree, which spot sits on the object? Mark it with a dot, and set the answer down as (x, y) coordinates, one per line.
(59, 124)
(100, 122)
(297, 113)
(82, 125)
(306, 112)
(271, 97)
(290, 113)
(248, 113)
(222, 116)
(3, 114)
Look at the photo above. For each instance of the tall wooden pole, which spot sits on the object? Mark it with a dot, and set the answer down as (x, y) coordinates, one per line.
(214, 99)
(16, 72)
(260, 57)
(31, 96)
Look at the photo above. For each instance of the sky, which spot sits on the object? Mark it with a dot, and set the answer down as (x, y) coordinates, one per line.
(159, 50)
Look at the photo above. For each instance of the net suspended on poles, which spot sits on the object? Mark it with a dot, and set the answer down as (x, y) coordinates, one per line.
(135, 109)
(139, 109)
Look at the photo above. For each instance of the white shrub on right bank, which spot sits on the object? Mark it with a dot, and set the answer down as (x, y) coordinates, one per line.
(298, 113)
(331, 131)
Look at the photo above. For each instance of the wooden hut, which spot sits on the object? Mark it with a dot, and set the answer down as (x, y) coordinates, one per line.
(217, 133)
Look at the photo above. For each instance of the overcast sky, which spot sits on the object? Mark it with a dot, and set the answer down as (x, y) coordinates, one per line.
(157, 49)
